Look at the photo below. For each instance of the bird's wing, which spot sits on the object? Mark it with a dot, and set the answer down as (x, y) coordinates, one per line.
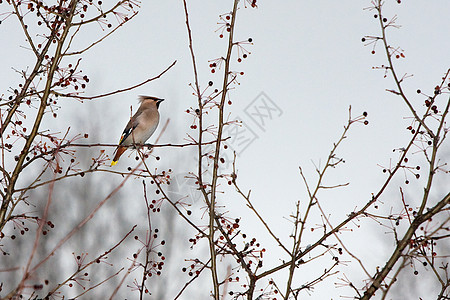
(132, 124)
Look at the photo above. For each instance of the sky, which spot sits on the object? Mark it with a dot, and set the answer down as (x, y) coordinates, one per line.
(307, 66)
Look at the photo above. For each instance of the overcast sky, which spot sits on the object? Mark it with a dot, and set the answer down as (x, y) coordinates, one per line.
(307, 63)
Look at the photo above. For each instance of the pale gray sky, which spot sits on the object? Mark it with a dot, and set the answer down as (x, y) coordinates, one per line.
(309, 60)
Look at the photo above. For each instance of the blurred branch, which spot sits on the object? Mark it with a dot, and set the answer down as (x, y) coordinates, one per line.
(41, 222)
(95, 260)
(83, 222)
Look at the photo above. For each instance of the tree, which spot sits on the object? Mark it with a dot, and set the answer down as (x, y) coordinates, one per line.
(236, 263)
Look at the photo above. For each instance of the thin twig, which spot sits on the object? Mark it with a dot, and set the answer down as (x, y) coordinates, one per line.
(117, 91)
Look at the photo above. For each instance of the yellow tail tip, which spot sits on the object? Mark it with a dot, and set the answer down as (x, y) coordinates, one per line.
(113, 163)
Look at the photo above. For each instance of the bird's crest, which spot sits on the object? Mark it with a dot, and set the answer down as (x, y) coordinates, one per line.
(142, 98)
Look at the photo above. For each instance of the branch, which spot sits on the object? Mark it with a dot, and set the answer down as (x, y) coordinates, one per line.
(381, 275)
(115, 92)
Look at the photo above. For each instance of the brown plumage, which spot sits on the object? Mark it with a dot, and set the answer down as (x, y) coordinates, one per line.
(141, 126)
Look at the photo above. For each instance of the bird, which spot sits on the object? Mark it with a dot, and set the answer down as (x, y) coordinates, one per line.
(140, 127)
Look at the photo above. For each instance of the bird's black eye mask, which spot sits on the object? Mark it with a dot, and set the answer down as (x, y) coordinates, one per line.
(158, 102)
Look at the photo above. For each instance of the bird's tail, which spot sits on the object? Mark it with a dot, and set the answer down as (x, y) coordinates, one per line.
(119, 151)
